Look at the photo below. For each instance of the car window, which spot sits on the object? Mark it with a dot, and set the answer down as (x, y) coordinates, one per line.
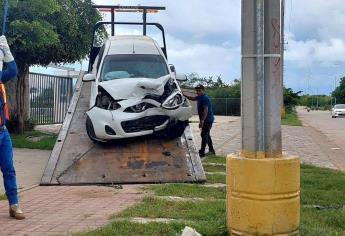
(133, 66)
(339, 106)
(100, 55)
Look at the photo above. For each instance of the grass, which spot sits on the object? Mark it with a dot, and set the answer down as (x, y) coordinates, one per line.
(322, 186)
(3, 197)
(124, 228)
(188, 190)
(291, 119)
(152, 207)
(215, 159)
(322, 206)
(324, 189)
(216, 178)
(211, 168)
(23, 141)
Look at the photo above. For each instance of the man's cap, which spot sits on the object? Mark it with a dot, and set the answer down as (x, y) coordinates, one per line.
(200, 86)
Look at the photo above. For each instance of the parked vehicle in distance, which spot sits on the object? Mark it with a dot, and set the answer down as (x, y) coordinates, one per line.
(338, 110)
(134, 92)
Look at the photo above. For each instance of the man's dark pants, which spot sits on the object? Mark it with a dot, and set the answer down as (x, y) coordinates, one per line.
(206, 138)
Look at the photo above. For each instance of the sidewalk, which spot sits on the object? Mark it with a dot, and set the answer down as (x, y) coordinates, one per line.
(60, 210)
(29, 167)
(56, 210)
(226, 134)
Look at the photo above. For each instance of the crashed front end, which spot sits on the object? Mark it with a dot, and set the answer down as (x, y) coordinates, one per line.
(138, 109)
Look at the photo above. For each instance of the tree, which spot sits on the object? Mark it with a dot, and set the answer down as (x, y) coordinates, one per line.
(339, 92)
(41, 32)
(291, 98)
(194, 79)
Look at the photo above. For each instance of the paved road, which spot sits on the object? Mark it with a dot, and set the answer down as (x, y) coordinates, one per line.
(334, 129)
(327, 133)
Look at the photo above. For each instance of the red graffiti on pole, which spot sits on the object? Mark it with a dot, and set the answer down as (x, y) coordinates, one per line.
(276, 43)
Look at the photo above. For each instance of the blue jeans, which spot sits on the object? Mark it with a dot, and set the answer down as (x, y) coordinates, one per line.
(7, 167)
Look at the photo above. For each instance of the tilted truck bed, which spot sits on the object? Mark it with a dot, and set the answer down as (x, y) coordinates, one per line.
(76, 160)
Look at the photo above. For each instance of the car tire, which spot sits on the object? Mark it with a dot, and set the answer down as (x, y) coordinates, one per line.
(175, 130)
(90, 130)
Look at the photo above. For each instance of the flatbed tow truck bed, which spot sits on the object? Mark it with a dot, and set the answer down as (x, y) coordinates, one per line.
(76, 160)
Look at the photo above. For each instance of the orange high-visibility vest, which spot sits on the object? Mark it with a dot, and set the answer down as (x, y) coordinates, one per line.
(5, 105)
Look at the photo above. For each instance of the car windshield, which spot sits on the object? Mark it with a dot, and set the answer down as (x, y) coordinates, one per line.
(133, 66)
(339, 106)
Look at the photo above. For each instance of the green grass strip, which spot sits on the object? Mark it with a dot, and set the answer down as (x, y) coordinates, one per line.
(159, 208)
(189, 190)
(291, 119)
(321, 186)
(127, 228)
(23, 141)
(322, 222)
(214, 168)
(215, 159)
(216, 179)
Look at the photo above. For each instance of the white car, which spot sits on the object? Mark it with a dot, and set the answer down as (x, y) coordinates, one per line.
(134, 92)
(338, 110)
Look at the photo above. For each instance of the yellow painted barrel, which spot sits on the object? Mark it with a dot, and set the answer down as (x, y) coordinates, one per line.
(263, 196)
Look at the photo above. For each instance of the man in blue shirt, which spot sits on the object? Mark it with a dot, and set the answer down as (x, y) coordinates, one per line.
(206, 118)
(6, 151)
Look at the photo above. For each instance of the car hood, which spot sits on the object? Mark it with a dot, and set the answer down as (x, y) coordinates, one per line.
(339, 109)
(134, 87)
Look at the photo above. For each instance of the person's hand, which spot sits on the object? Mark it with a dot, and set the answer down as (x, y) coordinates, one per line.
(5, 49)
(201, 124)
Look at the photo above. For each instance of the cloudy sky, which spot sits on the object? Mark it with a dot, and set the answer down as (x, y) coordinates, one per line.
(204, 37)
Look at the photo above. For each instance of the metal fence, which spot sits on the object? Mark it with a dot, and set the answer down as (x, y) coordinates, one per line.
(50, 97)
(226, 106)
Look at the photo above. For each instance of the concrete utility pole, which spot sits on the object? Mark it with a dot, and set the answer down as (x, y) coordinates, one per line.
(263, 183)
(283, 112)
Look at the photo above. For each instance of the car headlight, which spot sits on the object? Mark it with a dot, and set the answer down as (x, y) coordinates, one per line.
(173, 101)
(139, 107)
(105, 101)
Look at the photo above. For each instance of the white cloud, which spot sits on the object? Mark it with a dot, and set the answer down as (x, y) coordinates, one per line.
(186, 24)
(204, 59)
(305, 53)
(197, 17)
(317, 19)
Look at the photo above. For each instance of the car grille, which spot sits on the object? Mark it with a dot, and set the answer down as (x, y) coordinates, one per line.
(143, 124)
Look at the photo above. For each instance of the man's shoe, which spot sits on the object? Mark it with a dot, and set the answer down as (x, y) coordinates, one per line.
(16, 212)
(201, 154)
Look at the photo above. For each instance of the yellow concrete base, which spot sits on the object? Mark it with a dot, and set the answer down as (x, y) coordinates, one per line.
(263, 196)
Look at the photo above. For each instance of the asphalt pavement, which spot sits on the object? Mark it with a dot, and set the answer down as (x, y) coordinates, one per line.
(332, 128)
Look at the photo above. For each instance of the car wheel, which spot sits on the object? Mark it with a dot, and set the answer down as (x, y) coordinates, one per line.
(175, 130)
(90, 130)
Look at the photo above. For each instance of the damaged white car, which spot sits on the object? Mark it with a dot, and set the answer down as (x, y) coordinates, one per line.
(134, 92)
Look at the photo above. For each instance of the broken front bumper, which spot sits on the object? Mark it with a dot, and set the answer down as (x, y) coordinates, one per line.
(118, 124)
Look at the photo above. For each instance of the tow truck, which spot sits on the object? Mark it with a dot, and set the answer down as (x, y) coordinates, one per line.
(77, 160)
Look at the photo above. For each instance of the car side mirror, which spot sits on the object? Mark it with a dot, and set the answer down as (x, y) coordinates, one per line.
(89, 78)
(181, 77)
(172, 68)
